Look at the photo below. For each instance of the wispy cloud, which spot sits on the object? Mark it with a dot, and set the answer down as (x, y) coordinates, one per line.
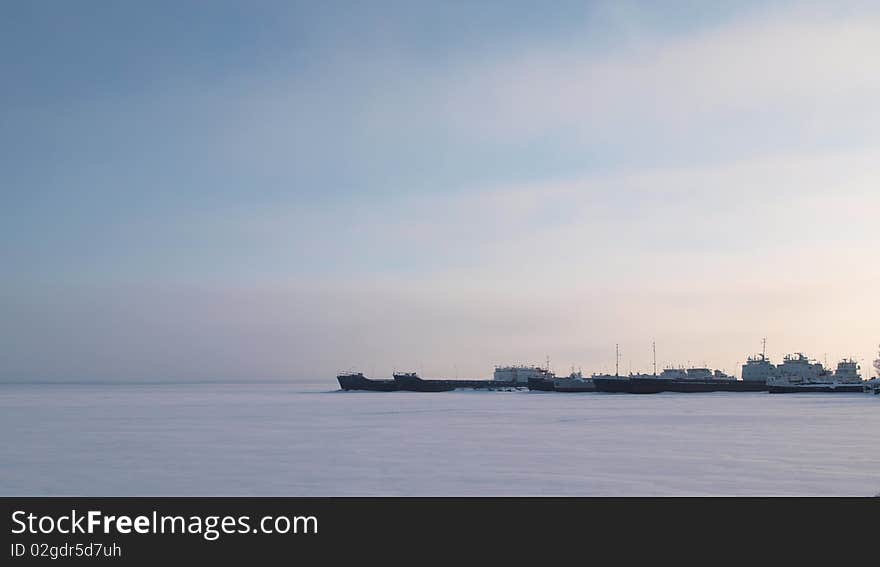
(805, 70)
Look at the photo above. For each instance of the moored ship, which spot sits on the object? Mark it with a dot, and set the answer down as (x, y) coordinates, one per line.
(798, 374)
(680, 380)
(706, 380)
(523, 374)
(412, 382)
(357, 381)
(689, 380)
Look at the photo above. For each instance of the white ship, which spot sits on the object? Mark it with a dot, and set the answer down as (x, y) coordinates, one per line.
(799, 373)
(521, 374)
(759, 369)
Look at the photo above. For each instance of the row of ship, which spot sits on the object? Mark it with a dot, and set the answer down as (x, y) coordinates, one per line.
(797, 373)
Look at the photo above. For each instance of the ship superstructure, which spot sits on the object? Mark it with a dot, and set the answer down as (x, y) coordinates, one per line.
(574, 382)
(759, 369)
(521, 374)
(799, 368)
(694, 374)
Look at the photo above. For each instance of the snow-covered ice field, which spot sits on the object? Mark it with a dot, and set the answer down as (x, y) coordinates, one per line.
(309, 440)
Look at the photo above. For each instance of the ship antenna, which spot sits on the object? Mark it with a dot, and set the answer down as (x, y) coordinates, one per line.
(764, 351)
(654, 346)
(617, 360)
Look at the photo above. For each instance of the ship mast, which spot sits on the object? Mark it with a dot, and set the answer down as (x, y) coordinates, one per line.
(654, 347)
(617, 360)
(764, 350)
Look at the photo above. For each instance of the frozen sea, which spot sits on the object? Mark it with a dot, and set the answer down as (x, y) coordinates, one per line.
(311, 440)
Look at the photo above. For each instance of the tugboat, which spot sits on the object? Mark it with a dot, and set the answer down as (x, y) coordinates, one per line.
(798, 373)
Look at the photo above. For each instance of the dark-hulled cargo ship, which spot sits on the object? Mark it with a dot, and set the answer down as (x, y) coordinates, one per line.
(691, 380)
(411, 382)
(755, 374)
(357, 381)
(705, 380)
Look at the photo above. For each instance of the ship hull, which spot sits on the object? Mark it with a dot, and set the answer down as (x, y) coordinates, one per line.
(694, 386)
(575, 386)
(540, 385)
(420, 385)
(415, 384)
(628, 385)
(818, 389)
(658, 385)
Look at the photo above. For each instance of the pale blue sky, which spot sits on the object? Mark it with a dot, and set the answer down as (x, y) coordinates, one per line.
(274, 189)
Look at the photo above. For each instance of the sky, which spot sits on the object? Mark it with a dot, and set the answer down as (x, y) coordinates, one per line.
(286, 190)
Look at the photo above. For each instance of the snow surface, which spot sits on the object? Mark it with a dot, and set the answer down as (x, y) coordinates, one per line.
(309, 440)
